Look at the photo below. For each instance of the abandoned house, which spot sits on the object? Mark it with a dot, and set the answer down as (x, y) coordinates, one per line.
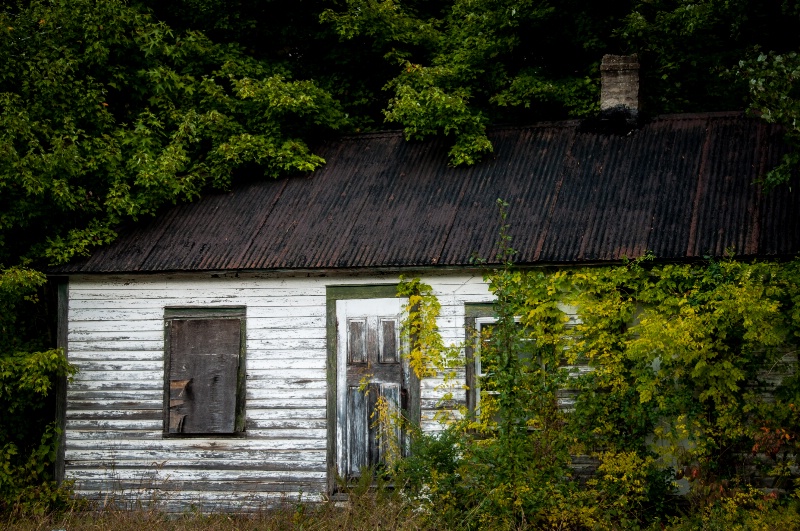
(221, 345)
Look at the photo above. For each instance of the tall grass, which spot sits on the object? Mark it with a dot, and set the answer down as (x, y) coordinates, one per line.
(382, 510)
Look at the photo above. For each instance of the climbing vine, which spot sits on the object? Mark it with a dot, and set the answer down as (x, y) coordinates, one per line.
(428, 355)
(669, 377)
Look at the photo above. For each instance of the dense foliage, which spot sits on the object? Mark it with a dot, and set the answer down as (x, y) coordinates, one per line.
(108, 115)
(692, 385)
(463, 64)
(112, 110)
(28, 370)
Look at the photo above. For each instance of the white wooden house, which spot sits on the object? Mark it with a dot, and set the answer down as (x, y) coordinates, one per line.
(221, 345)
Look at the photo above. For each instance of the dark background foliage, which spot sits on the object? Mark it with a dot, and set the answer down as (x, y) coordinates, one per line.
(111, 111)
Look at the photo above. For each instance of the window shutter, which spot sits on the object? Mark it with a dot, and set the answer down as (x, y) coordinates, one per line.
(203, 375)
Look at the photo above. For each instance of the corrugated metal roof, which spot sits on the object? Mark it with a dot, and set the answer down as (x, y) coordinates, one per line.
(680, 186)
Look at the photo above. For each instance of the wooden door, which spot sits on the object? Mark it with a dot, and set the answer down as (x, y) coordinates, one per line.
(370, 365)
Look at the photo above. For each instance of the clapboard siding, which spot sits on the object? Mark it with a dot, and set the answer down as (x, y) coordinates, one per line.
(114, 422)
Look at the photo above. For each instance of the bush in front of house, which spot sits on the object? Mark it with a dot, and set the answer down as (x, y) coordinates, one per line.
(679, 381)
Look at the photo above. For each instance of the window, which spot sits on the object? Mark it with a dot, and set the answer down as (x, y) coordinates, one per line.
(480, 318)
(204, 359)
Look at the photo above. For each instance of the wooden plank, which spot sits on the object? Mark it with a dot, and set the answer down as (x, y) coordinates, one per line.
(115, 335)
(268, 362)
(269, 443)
(268, 296)
(111, 405)
(156, 345)
(81, 316)
(285, 354)
(103, 365)
(254, 396)
(286, 374)
(176, 291)
(388, 435)
(130, 377)
(297, 462)
(357, 422)
(197, 282)
(278, 279)
(101, 305)
(258, 311)
(78, 395)
(114, 424)
(259, 419)
(277, 402)
(282, 334)
(272, 382)
(195, 474)
(203, 375)
(284, 344)
(262, 471)
(111, 326)
(283, 322)
(190, 457)
(168, 446)
(116, 414)
(204, 301)
(389, 340)
(276, 414)
(271, 315)
(216, 491)
(179, 502)
(125, 385)
(118, 355)
(256, 428)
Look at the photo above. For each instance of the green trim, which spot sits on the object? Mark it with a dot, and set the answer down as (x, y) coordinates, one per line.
(479, 309)
(214, 312)
(62, 312)
(240, 419)
(472, 311)
(195, 312)
(333, 294)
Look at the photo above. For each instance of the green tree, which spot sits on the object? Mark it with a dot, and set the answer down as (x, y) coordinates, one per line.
(106, 116)
(688, 369)
(110, 111)
(774, 83)
(463, 64)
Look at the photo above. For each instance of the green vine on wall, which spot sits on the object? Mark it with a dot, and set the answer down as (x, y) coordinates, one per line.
(691, 376)
(427, 354)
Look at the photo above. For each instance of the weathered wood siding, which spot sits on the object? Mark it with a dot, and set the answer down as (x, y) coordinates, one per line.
(115, 446)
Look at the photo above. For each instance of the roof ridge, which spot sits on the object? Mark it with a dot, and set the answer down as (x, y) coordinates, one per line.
(570, 122)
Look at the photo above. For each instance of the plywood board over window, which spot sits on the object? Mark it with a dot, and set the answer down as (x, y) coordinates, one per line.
(204, 386)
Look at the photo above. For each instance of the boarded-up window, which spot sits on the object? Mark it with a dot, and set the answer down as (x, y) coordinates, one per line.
(204, 388)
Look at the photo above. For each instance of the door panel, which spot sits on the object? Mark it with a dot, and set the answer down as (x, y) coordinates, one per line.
(370, 365)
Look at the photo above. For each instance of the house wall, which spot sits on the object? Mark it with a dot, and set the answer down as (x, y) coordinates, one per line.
(115, 447)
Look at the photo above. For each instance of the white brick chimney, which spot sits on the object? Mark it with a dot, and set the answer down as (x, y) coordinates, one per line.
(619, 85)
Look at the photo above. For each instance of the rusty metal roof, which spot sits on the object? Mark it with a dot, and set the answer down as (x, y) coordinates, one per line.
(680, 186)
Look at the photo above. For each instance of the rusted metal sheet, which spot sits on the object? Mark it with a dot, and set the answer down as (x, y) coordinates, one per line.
(680, 186)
